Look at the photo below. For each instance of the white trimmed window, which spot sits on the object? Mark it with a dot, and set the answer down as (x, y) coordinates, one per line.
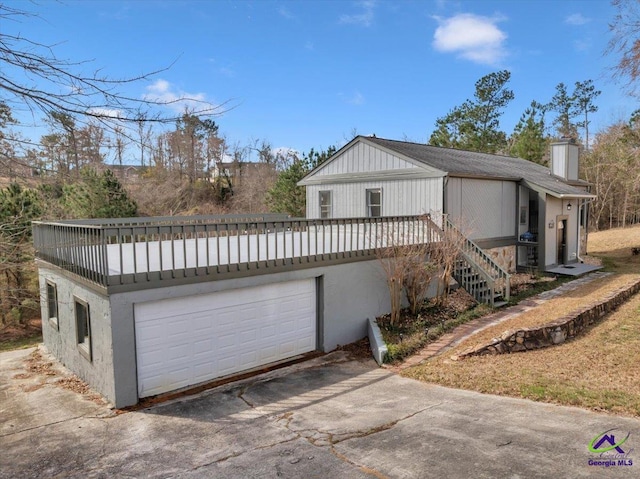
(52, 305)
(325, 204)
(374, 202)
(83, 327)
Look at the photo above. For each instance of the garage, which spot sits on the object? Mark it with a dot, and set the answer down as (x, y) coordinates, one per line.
(189, 340)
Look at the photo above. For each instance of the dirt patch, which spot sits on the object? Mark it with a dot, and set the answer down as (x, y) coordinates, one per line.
(44, 372)
(75, 384)
(16, 336)
(359, 350)
(14, 331)
(522, 282)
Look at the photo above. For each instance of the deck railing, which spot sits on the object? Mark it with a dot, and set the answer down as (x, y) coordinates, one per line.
(115, 252)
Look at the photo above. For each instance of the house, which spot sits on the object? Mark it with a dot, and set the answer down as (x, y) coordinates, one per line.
(138, 307)
(239, 173)
(126, 172)
(522, 214)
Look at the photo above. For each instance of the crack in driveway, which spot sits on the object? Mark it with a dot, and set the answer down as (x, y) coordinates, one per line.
(320, 438)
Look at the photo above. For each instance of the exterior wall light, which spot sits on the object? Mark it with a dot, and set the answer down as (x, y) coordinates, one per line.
(569, 207)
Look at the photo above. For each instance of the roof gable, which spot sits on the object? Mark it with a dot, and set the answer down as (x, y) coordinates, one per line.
(361, 158)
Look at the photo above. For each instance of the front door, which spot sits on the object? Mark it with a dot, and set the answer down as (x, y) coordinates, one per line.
(561, 238)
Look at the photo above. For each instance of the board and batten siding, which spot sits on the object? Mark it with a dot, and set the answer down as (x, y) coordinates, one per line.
(482, 208)
(399, 197)
(361, 158)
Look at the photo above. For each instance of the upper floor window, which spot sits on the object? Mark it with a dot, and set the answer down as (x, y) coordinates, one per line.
(374, 202)
(325, 204)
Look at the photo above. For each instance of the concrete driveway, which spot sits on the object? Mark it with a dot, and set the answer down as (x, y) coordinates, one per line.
(332, 417)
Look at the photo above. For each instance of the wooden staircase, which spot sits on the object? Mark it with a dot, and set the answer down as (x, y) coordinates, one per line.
(475, 270)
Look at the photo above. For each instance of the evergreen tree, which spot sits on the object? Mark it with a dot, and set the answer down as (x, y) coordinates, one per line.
(18, 207)
(475, 125)
(585, 93)
(286, 196)
(528, 140)
(564, 105)
(97, 195)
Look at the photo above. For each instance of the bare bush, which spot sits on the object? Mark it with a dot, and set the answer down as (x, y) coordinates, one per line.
(405, 259)
(444, 254)
(419, 272)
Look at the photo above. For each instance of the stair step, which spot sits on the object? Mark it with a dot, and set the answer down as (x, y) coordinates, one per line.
(499, 304)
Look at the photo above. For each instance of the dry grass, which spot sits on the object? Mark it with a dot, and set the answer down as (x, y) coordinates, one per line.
(614, 247)
(599, 370)
(554, 309)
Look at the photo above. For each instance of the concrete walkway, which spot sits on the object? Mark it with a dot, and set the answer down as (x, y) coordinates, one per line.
(464, 331)
(331, 417)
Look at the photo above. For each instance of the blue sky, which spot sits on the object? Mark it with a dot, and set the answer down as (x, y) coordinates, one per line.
(305, 74)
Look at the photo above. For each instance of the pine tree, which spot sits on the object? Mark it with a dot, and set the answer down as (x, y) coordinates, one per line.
(528, 140)
(97, 196)
(286, 196)
(475, 125)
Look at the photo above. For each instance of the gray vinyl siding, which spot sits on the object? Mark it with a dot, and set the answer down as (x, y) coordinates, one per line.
(483, 208)
(363, 158)
(399, 197)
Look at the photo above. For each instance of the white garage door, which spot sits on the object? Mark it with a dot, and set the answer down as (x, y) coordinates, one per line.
(185, 341)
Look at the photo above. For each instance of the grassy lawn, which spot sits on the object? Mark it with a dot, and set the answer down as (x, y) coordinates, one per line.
(599, 370)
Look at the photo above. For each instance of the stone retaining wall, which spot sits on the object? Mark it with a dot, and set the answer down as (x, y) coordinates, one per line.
(557, 331)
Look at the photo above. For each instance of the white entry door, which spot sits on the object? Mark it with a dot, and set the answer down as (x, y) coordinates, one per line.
(189, 340)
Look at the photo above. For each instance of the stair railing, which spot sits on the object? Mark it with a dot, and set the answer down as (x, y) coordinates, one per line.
(496, 279)
(477, 256)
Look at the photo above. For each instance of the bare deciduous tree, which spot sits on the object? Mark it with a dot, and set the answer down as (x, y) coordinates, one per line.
(625, 43)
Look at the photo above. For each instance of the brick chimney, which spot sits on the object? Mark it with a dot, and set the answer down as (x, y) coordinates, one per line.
(565, 159)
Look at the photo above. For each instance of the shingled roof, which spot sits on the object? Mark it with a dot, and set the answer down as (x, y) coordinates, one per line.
(483, 165)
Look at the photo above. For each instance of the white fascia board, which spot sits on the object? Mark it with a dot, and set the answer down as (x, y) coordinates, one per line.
(562, 196)
(404, 174)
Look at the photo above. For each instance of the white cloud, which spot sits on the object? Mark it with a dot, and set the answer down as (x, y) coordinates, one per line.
(286, 13)
(356, 99)
(582, 45)
(164, 93)
(473, 37)
(228, 72)
(577, 19)
(106, 113)
(364, 18)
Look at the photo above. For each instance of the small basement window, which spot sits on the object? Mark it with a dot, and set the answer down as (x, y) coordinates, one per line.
(83, 327)
(52, 305)
(325, 204)
(374, 203)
